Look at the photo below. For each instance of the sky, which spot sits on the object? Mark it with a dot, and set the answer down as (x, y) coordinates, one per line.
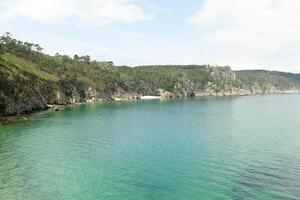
(244, 34)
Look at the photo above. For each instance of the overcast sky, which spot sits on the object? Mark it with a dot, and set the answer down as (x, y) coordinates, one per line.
(245, 34)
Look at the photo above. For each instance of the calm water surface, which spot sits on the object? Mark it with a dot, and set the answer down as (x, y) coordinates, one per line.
(201, 148)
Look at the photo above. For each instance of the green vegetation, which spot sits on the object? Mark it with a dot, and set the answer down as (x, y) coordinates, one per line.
(30, 79)
(27, 58)
(266, 79)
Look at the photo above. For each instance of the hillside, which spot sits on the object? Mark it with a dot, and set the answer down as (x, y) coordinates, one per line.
(30, 80)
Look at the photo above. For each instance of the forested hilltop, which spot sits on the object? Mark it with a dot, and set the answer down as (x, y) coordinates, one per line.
(31, 80)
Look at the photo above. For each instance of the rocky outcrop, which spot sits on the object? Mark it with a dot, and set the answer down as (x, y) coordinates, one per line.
(184, 87)
(26, 97)
(71, 92)
(165, 94)
(123, 95)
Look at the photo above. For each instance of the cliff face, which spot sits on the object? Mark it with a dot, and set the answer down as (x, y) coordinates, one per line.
(27, 86)
(223, 81)
(19, 97)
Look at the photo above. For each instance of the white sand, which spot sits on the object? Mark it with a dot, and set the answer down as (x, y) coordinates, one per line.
(150, 97)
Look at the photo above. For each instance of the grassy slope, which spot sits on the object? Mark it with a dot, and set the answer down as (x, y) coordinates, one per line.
(13, 65)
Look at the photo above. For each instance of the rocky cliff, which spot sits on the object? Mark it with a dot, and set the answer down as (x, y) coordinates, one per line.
(31, 80)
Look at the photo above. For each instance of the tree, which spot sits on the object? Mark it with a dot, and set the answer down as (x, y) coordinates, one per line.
(28, 45)
(38, 48)
(76, 57)
(6, 38)
(6, 42)
(86, 58)
(1, 49)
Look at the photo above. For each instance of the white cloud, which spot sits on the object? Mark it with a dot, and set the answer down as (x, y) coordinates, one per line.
(82, 12)
(253, 33)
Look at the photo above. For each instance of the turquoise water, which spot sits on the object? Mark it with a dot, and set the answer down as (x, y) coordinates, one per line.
(201, 148)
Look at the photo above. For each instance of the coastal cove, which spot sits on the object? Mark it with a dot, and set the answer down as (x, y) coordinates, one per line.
(31, 80)
(156, 149)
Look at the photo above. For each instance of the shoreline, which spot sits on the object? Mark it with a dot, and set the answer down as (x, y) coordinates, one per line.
(57, 107)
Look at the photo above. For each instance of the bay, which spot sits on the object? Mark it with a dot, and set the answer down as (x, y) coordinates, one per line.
(199, 148)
